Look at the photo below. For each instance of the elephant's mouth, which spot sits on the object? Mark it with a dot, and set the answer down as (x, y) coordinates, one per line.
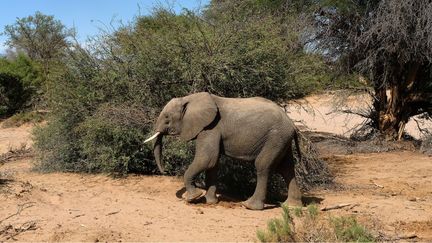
(172, 131)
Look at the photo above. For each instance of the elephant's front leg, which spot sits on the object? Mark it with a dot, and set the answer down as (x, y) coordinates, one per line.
(210, 181)
(206, 157)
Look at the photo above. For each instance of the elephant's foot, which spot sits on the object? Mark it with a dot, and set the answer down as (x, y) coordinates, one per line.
(294, 195)
(253, 204)
(211, 199)
(193, 194)
(294, 202)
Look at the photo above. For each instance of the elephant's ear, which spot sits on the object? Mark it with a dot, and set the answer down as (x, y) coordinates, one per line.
(199, 111)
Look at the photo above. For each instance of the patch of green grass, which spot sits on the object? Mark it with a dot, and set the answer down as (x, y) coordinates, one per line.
(347, 229)
(298, 211)
(312, 210)
(313, 227)
(278, 230)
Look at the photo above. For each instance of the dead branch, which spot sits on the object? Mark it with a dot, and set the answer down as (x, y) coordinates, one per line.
(79, 215)
(354, 205)
(16, 153)
(407, 236)
(423, 131)
(377, 185)
(20, 209)
(115, 212)
(338, 206)
(351, 112)
(10, 231)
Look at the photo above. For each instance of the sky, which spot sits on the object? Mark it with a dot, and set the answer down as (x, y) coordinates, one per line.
(87, 16)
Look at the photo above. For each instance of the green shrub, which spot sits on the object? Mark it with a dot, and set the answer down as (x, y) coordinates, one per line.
(57, 147)
(279, 230)
(347, 229)
(28, 71)
(313, 227)
(12, 94)
(312, 211)
(104, 99)
(20, 79)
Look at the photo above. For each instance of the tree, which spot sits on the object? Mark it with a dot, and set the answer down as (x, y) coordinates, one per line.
(41, 37)
(390, 43)
(22, 78)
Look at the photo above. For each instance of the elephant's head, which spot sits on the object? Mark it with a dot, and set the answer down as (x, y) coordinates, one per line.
(186, 116)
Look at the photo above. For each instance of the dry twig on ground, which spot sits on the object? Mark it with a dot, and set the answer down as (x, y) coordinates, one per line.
(9, 231)
(338, 206)
(15, 153)
(21, 207)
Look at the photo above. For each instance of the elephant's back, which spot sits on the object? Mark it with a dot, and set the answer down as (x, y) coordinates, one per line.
(246, 124)
(255, 107)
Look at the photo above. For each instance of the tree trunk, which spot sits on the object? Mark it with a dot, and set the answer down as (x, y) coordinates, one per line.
(393, 105)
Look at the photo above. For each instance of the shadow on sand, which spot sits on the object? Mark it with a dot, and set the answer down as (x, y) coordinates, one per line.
(232, 201)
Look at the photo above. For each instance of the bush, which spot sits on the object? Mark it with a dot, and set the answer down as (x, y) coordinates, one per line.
(12, 94)
(106, 96)
(20, 78)
(311, 226)
(347, 229)
(279, 230)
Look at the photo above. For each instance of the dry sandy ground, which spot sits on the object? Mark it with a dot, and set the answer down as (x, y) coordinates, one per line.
(392, 193)
(15, 137)
(72, 207)
(319, 113)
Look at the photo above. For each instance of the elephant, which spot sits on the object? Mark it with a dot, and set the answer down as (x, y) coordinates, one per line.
(249, 129)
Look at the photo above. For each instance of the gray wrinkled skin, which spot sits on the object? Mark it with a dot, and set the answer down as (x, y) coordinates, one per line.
(249, 129)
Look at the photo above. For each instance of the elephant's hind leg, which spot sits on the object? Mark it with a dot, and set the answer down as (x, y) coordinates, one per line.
(271, 153)
(286, 169)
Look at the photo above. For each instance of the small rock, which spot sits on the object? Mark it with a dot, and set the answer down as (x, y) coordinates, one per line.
(414, 199)
(199, 211)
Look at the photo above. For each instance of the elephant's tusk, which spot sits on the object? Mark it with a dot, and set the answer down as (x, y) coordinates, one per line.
(152, 137)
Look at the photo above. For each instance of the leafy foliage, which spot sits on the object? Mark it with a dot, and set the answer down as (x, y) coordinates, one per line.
(11, 94)
(104, 99)
(311, 226)
(40, 36)
(347, 229)
(279, 230)
(21, 66)
(25, 79)
(37, 45)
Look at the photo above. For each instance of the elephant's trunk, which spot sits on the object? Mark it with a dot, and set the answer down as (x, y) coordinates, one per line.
(157, 150)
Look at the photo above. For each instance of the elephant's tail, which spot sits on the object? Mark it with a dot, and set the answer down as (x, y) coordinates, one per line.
(296, 140)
